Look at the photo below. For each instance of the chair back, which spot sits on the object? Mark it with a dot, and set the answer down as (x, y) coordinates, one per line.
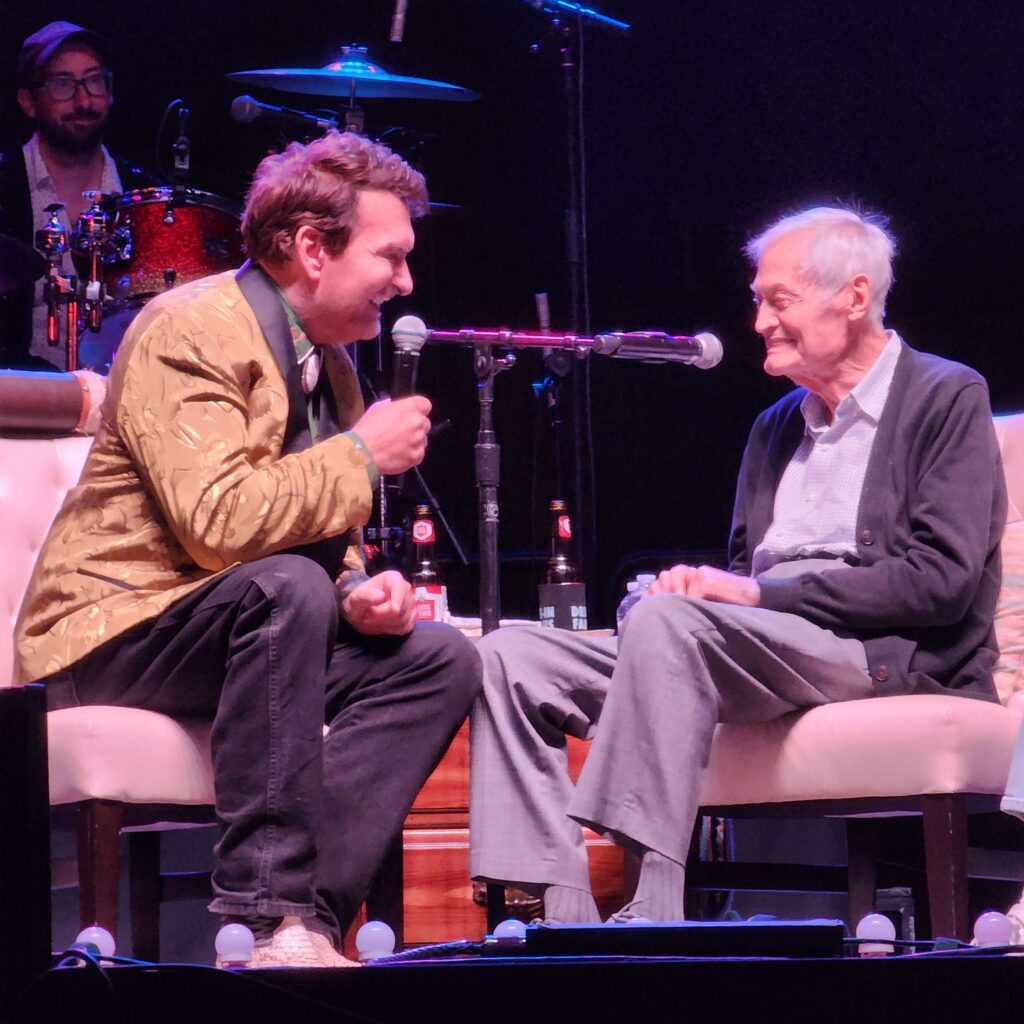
(35, 475)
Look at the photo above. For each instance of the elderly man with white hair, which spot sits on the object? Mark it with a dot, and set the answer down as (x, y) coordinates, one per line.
(864, 561)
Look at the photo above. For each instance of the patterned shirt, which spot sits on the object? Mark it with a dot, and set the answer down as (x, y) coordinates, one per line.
(819, 493)
(43, 194)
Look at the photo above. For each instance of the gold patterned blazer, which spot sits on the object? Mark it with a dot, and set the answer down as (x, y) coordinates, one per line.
(195, 468)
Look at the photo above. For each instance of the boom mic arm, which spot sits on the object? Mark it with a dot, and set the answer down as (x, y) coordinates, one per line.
(701, 350)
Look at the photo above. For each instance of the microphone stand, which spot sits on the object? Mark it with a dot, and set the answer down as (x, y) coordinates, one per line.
(567, 20)
(387, 534)
(487, 463)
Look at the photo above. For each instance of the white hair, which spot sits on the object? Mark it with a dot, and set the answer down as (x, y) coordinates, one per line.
(844, 244)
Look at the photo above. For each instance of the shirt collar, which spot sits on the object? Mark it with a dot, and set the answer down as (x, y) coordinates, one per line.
(39, 176)
(867, 397)
(300, 339)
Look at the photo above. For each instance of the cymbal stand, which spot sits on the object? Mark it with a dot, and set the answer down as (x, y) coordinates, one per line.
(488, 475)
(58, 289)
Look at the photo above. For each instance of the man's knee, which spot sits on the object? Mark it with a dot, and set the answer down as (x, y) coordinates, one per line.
(657, 619)
(295, 581)
(450, 653)
(510, 657)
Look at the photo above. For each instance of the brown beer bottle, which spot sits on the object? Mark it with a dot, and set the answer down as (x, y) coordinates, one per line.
(561, 568)
(562, 596)
(430, 593)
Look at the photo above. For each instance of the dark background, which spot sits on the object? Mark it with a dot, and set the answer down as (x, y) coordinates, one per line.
(709, 120)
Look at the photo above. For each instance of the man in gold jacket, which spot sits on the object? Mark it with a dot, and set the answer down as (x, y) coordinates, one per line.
(209, 560)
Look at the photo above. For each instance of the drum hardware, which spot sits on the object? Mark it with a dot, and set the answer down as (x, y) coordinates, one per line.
(59, 289)
(167, 235)
(89, 241)
(157, 238)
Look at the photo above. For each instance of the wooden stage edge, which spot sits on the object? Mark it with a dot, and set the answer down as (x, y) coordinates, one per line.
(486, 990)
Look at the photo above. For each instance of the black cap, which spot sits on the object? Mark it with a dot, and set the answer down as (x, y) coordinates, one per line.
(42, 45)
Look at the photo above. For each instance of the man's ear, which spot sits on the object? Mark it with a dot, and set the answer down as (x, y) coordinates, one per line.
(309, 251)
(27, 103)
(860, 292)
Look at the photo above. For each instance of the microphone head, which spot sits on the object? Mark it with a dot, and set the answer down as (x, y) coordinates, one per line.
(409, 333)
(244, 109)
(607, 344)
(712, 351)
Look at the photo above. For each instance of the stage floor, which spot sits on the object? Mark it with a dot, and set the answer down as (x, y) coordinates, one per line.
(969, 987)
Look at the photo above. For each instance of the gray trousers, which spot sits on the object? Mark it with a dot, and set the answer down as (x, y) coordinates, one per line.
(650, 701)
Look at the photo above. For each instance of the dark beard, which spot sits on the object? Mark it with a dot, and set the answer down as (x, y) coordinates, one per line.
(73, 142)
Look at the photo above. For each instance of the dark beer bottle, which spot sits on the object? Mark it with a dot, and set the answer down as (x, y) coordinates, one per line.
(561, 568)
(430, 592)
(562, 595)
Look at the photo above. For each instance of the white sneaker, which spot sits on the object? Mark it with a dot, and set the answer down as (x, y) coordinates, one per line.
(328, 954)
(294, 945)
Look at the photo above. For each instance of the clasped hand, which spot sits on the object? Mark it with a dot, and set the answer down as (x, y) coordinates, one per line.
(706, 582)
(383, 604)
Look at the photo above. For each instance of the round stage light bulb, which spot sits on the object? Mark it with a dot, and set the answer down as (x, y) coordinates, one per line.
(993, 929)
(375, 939)
(878, 927)
(510, 929)
(234, 945)
(97, 937)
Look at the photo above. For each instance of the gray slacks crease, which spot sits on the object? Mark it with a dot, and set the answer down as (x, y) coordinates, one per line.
(650, 701)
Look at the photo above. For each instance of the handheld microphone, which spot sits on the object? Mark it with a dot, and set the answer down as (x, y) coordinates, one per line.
(409, 334)
(246, 110)
(702, 350)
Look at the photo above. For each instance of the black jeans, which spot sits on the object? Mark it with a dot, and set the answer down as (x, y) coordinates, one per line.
(305, 819)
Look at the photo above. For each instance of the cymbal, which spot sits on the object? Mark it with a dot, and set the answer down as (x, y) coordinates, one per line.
(20, 264)
(441, 209)
(353, 76)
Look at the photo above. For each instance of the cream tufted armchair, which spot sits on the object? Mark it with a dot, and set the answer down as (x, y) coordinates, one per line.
(939, 757)
(112, 768)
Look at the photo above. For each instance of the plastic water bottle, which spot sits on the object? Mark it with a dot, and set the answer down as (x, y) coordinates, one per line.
(635, 589)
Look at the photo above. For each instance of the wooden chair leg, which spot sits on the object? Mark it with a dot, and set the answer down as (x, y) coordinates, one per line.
(945, 853)
(99, 862)
(496, 911)
(144, 893)
(385, 900)
(25, 850)
(863, 845)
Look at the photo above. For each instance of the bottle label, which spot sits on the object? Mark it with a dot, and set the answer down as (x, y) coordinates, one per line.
(431, 602)
(564, 527)
(423, 531)
(563, 605)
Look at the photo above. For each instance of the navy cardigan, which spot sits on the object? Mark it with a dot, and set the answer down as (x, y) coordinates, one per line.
(931, 516)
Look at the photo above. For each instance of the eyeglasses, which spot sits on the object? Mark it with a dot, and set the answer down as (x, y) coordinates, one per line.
(61, 88)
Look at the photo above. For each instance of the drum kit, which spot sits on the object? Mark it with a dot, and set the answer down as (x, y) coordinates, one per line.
(126, 248)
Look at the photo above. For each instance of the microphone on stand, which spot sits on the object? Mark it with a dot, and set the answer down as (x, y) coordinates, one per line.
(409, 334)
(182, 147)
(702, 350)
(398, 21)
(246, 110)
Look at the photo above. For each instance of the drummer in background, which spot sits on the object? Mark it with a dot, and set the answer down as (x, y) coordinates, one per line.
(65, 87)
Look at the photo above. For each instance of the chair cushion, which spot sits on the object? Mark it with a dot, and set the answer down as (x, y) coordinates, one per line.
(130, 755)
(883, 747)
